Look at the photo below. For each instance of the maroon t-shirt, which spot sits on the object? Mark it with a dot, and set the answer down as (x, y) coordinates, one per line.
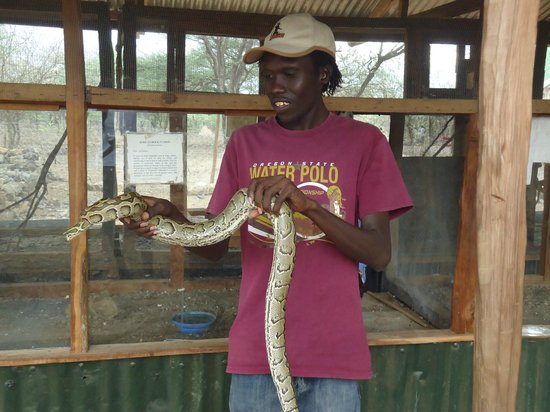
(348, 167)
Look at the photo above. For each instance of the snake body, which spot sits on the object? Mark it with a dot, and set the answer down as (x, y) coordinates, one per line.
(213, 231)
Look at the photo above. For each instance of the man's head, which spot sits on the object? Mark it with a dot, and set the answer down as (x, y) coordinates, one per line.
(299, 35)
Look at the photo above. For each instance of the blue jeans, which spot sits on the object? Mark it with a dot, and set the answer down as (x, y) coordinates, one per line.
(256, 393)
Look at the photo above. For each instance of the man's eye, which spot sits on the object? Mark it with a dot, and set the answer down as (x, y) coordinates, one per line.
(290, 73)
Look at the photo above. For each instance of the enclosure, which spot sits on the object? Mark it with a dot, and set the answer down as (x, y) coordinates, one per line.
(103, 97)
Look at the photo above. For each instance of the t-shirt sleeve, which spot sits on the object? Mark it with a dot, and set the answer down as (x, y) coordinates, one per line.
(380, 185)
(227, 183)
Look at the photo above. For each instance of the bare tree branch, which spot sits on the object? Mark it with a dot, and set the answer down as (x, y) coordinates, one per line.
(380, 59)
(41, 186)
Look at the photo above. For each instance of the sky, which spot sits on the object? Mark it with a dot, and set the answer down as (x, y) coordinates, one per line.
(442, 68)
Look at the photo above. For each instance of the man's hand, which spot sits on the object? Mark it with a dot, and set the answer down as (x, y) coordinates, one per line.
(155, 206)
(262, 190)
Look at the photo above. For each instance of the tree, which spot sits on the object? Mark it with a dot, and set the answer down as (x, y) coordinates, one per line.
(151, 72)
(216, 65)
(22, 62)
(371, 74)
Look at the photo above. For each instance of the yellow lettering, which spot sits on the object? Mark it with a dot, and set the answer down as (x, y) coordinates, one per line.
(323, 179)
(254, 172)
(304, 171)
(314, 174)
(290, 172)
(333, 174)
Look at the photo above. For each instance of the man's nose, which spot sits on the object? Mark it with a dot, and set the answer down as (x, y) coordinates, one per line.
(277, 85)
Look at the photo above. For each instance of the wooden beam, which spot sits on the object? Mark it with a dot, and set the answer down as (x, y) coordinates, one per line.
(393, 303)
(506, 78)
(403, 9)
(462, 316)
(36, 107)
(113, 287)
(108, 98)
(228, 103)
(452, 9)
(40, 94)
(23, 95)
(541, 107)
(76, 143)
(114, 351)
(417, 337)
(194, 346)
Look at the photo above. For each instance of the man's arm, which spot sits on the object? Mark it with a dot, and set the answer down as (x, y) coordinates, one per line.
(167, 209)
(370, 244)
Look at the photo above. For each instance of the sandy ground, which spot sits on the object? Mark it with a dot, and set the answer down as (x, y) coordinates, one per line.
(147, 316)
(144, 317)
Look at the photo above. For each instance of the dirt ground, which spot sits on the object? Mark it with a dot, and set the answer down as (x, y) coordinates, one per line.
(146, 316)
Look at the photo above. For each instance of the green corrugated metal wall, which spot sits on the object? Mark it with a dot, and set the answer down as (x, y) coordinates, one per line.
(184, 383)
(433, 377)
(424, 378)
(534, 388)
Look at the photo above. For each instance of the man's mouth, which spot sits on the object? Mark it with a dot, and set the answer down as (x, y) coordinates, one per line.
(280, 104)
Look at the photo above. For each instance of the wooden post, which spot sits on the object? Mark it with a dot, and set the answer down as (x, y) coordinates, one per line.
(177, 123)
(506, 74)
(396, 134)
(462, 317)
(76, 143)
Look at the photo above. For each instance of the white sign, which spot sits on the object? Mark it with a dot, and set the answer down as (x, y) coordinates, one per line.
(539, 147)
(154, 158)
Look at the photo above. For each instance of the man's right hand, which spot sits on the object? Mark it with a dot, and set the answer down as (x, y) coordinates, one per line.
(155, 206)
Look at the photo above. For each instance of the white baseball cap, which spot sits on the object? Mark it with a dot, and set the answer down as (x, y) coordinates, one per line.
(295, 35)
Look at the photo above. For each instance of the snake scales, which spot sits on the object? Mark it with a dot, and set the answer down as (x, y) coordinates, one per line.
(212, 231)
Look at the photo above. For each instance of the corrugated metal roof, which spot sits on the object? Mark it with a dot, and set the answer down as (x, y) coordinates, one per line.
(340, 8)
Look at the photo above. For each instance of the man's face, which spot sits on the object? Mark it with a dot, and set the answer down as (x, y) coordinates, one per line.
(294, 88)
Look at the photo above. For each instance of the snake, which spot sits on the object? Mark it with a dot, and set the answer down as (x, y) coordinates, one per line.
(132, 205)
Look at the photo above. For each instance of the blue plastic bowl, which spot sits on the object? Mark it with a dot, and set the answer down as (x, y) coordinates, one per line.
(193, 322)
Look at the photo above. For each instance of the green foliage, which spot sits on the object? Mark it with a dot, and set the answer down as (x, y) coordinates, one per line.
(371, 69)
(214, 64)
(25, 58)
(151, 71)
(91, 67)
(151, 75)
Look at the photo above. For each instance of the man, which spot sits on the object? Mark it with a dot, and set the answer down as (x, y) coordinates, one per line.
(318, 162)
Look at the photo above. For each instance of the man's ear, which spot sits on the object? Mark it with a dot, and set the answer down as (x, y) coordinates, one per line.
(324, 73)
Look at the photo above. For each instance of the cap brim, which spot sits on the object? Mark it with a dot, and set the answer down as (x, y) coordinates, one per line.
(256, 53)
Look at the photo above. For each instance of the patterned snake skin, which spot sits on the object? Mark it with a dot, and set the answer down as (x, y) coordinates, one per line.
(213, 231)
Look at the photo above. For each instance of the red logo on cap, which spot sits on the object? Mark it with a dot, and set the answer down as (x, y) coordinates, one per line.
(276, 33)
